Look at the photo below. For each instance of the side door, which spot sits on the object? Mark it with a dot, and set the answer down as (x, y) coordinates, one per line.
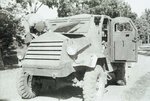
(124, 35)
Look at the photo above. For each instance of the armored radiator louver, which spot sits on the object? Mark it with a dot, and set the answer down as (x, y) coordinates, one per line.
(47, 50)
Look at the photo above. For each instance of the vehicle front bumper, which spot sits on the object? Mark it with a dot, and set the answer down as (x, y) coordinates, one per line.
(62, 70)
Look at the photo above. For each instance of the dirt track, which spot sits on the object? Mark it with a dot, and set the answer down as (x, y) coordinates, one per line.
(137, 89)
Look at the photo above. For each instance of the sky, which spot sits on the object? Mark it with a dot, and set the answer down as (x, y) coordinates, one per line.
(138, 6)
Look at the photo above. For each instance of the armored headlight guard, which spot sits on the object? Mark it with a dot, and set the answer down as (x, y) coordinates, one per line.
(19, 57)
(71, 51)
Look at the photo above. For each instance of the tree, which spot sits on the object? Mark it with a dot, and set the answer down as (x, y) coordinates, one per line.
(143, 25)
(10, 31)
(112, 8)
(50, 3)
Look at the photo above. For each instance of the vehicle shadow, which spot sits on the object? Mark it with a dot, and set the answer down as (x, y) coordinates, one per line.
(68, 91)
(4, 100)
(62, 93)
(112, 81)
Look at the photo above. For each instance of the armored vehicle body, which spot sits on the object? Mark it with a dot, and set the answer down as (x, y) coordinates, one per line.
(78, 51)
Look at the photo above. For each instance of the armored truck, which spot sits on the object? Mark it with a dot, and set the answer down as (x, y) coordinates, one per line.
(78, 51)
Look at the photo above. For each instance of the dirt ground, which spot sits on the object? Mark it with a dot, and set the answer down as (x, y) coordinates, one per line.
(137, 88)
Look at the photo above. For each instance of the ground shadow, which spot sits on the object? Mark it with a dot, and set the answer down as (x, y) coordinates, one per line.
(4, 100)
(9, 67)
(112, 81)
(63, 93)
(66, 92)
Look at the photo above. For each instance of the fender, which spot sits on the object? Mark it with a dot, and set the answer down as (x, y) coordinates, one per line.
(91, 61)
(75, 46)
(88, 61)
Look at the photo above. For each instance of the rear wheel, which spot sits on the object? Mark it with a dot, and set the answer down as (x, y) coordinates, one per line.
(25, 86)
(94, 84)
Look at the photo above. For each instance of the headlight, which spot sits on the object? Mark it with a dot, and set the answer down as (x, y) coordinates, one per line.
(20, 57)
(71, 51)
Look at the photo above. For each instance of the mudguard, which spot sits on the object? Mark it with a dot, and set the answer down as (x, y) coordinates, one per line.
(88, 60)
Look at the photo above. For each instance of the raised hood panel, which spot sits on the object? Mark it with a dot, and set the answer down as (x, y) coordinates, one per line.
(50, 36)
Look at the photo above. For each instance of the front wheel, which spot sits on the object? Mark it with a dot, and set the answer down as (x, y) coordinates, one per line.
(94, 84)
(25, 86)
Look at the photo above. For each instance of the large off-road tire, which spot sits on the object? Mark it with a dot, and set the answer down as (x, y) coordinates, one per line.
(25, 86)
(94, 84)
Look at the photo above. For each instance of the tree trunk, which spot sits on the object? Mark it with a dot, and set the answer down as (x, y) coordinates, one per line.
(1, 60)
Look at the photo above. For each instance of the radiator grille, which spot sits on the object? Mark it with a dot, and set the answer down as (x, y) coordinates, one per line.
(47, 50)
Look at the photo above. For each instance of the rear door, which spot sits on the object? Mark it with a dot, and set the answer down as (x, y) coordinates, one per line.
(124, 35)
